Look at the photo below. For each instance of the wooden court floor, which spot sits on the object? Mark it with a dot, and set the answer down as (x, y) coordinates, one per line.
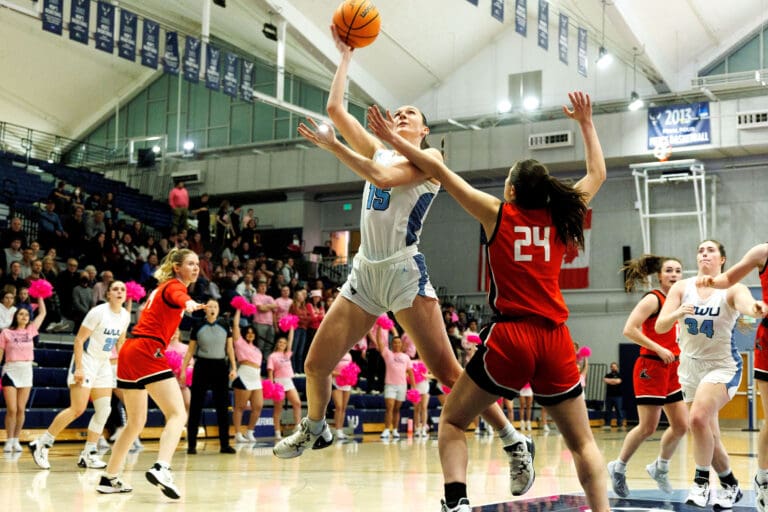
(361, 475)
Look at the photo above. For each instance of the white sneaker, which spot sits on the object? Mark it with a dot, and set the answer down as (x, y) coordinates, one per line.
(385, 434)
(39, 454)
(340, 434)
(136, 446)
(529, 424)
(17, 445)
(91, 460)
(661, 477)
(521, 472)
(107, 486)
(463, 506)
(395, 434)
(8, 446)
(618, 480)
(249, 437)
(163, 478)
(278, 435)
(295, 444)
(761, 495)
(240, 438)
(546, 428)
(102, 444)
(698, 495)
(725, 497)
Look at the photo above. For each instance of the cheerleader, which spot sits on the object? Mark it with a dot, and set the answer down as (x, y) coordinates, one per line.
(340, 395)
(280, 370)
(247, 385)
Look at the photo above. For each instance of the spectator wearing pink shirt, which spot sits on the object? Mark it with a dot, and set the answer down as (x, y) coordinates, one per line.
(399, 373)
(340, 395)
(316, 308)
(284, 303)
(263, 319)
(178, 200)
(280, 370)
(247, 385)
(17, 345)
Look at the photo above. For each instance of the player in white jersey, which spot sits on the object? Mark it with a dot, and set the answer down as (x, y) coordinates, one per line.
(90, 375)
(710, 367)
(389, 273)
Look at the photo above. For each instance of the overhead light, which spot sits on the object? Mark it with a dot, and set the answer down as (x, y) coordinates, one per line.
(188, 145)
(530, 103)
(504, 106)
(709, 94)
(604, 58)
(635, 102)
(475, 127)
(456, 123)
(156, 149)
(257, 152)
(269, 31)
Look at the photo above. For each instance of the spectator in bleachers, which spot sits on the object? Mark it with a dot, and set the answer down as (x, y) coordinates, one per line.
(251, 235)
(246, 219)
(107, 205)
(99, 290)
(37, 251)
(148, 269)
(138, 232)
(93, 274)
(96, 250)
(202, 213)
(206, 266)
(178, 200)
(150, 247)
(224, 230)
(264, 319)
(27, 257)
(13, 277)
(23, 300)
(74, 226)
(316, 306)
(13, 231)
(61, 198)
(129, 255)
(65, 283)
(235, 219)
(244, 251)
(13, 252)
(7, 307)
(196, 243)
(93, 202)
(50, 229)
(94, 224)
(82, 296)
(50, 269)
(283, 303)
(245, 287)
(17, 345)
(77, 199)
(36, 271)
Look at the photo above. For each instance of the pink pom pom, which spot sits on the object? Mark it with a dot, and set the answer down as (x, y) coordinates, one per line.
(40, 289)
(267, 387)
(278, 392)
(348, 375)
(454, 317)
(237, 302)
(249, 309)
(384, 322)
(288, 322)
(419, 371)
(584, 352)
(174, 361)
(474, 338)
(189, 376)
(413, 396)
(134, 291)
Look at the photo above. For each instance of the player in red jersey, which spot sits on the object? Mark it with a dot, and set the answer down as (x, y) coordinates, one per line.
(527, 340)
(143, 370)
(755, 258)
(655, 376)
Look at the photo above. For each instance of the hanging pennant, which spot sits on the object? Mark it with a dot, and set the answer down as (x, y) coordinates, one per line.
(105, 27)
(149, 44)
(562, 39)
(53, 16)
(521, 17)
(543, 26)
(126, 45)
(171, 55)
(497, 10)
(212, 61)
(192, 59)
(79, 18)
(246, 81)
(581, 61)
(231, 62)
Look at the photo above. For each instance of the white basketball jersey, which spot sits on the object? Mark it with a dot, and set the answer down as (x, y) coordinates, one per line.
(106, 327)
(391, 219)
(707, 334)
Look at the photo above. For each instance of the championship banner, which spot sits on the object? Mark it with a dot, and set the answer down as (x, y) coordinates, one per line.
(105, 27)
(543, 26)
(212, 61)
(126, 45)
(192, 59)
(574, 272)
(171, 55)
(79, 18)
(497, 10)
(149, 48)
(562, 39)
(521, 17)
(53, 16)
(675, 126)
(246, 81)
(231, 62)
(581, 59)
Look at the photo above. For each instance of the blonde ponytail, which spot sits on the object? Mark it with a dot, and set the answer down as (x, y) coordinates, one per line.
(175, 257)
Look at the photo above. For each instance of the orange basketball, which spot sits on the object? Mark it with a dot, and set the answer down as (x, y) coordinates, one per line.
(357, 22)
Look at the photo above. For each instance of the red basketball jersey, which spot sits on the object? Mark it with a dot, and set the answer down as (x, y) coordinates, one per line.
(668, 340)
(162, 314)
(524, 256)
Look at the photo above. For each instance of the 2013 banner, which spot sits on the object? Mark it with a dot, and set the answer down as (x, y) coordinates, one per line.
(679, 125)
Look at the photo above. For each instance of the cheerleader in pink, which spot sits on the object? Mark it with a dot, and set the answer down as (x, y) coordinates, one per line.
(247, 385)
(280, 370)
(420, 383)
(17, 345)
(340, 395)
(399, 373)
(180, 348)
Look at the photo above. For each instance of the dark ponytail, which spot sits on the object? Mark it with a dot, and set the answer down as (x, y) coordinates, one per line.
(535, 189)
(424, 144)
(639, 269)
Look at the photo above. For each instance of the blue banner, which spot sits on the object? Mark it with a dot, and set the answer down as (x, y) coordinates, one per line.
(521, 17)
(231, 62)
(497, 10)
(149, 44)
(562, 39)
(79, 17)
(246, 81)
(192, 59)
(543, 27)
(212, 61)
(53, 16)
(679, 125)
(171, 54)
(581, 58)
(105, 27)
(126, 45)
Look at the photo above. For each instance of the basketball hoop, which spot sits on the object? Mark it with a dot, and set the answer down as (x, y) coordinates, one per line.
(662, 151)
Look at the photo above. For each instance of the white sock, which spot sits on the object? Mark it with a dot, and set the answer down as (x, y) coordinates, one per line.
(90, 447)
(662, 464)
(47, 439)
(621, 466)
(762, 476)
(509, 435)
(316, 426)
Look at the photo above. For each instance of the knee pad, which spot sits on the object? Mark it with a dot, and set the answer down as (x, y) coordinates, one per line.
(101, 414)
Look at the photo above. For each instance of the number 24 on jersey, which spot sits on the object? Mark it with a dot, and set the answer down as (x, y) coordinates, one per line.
(535, 236)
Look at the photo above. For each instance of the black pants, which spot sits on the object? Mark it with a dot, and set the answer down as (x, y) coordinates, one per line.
(210, 374)
(376, 370)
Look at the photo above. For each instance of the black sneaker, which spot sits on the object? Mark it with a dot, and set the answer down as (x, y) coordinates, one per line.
(227, 449)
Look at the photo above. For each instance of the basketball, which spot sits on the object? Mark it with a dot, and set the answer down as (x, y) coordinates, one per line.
(357, 22)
